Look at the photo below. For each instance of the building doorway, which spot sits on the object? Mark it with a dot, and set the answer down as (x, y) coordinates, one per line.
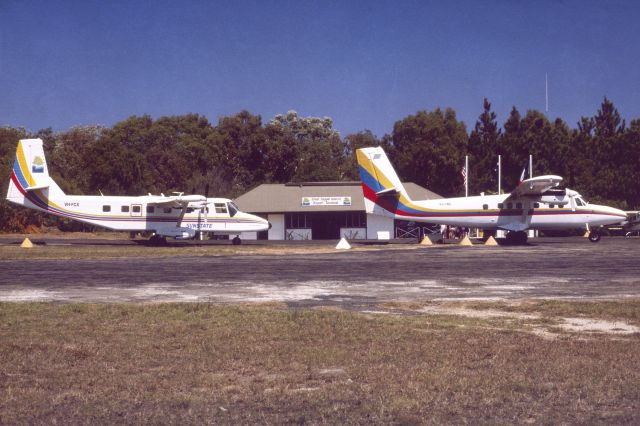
(326, 225)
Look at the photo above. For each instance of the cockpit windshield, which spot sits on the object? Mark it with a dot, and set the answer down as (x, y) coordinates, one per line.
(233, 209)
(581, 202)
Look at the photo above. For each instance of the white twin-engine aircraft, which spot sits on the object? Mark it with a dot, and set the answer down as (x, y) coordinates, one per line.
(534, 204)
(179, 216)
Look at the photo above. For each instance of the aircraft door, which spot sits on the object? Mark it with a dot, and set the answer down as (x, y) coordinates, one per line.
(221, 212)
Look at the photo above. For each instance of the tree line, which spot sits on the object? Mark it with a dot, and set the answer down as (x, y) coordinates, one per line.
(598, 157)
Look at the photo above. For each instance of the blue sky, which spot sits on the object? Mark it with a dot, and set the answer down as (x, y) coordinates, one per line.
(365, 64)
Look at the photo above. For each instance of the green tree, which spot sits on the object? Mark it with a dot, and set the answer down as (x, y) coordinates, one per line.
(319, 149)
(428, 149)
(353, 142)
(239, 144)
(607, 153)
(483, 147)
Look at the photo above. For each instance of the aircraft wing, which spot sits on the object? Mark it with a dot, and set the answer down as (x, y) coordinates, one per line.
(176, 201)
(536, 186)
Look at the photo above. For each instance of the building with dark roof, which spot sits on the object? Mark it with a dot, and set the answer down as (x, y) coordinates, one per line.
(319, 210)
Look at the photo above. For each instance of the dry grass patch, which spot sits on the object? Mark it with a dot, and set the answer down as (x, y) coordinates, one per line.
(200, 363)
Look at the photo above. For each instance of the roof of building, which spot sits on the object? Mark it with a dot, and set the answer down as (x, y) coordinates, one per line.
(285, 198)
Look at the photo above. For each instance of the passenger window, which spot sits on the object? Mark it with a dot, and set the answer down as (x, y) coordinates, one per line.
(136, 209)
(536, 205)
(151, 209)
(518, 205)
(124, 209)
(220, 208)
(560, 206)
(106, 208)
(167, 210)
(509, 206)
(500, 206)
(485, 207)
(551, 206)
(190, 209)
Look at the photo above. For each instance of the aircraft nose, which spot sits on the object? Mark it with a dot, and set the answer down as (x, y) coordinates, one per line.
(621, 215)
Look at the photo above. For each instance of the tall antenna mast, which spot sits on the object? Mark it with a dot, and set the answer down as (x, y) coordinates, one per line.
(546, 93)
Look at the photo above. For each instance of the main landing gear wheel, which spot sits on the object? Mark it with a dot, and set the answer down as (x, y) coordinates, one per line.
(157, 240)
(517, 238)
(236, 241)
(594, 237)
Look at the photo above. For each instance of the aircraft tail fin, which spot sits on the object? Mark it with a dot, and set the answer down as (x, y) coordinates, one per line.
(30, 172)
(381, 185)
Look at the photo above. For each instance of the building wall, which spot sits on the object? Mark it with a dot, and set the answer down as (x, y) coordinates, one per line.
(277, 226)
(379, 224)
(353, 233)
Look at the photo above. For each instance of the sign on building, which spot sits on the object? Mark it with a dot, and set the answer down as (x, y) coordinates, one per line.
(326, 201)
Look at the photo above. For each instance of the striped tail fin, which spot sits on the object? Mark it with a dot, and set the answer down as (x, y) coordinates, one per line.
(381, 185)
(30, 173)
(30, 165)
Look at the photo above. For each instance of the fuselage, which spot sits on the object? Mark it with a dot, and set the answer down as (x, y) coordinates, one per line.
(503, 212)
(130, 213)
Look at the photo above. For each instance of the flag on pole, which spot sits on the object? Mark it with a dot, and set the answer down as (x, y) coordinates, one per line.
(523, 175)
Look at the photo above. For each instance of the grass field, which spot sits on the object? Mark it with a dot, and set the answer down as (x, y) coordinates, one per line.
(200, 363)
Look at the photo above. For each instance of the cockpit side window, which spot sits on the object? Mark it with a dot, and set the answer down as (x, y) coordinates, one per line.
(221, 208)
(233, 209)
(581, 202)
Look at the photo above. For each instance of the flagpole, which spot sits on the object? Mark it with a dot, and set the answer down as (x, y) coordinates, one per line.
(466, 180)
(530, 166)
(499, 174)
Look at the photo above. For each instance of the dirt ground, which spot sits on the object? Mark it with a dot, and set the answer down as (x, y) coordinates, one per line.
(318, 275)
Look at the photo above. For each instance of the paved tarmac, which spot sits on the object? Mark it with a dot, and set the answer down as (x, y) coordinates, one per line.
(546, 268)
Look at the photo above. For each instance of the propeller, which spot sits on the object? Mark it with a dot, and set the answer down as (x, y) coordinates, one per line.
(205, 205)
(572, 198)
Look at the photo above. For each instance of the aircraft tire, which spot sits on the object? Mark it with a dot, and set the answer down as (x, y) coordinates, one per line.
(594, 237)
(157, 240)
(517, 238)
(236, 241)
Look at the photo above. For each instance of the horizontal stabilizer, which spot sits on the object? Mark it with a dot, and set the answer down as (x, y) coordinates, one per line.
(40, 186)
(388, 192)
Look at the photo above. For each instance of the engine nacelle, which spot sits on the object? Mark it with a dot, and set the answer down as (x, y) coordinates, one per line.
(555, 196)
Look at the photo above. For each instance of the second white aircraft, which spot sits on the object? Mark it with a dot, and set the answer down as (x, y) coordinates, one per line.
(535, 204)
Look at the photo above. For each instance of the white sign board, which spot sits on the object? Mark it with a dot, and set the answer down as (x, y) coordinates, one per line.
(325, 201)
